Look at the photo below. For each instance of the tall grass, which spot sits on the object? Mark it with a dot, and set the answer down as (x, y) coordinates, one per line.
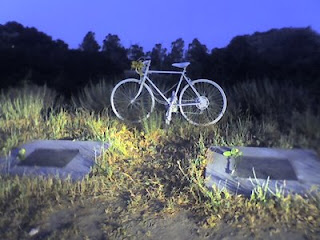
(94, 97)
(265, 96)
(151, 170)
(27, 101)
(153, 123)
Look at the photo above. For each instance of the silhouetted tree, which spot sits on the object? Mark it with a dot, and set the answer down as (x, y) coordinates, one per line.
(158, 54)
(135, 52)
(113, 49)
(241, 58)
(27, 53)
(217, 64)
(89, 43)
(61, 44)
(197, 54)
(287, 53)
(177, 50)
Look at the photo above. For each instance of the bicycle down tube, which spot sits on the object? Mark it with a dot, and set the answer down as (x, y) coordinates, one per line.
(183, 76)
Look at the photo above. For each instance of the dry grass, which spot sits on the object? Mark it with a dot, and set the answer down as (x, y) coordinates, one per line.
(153, 171)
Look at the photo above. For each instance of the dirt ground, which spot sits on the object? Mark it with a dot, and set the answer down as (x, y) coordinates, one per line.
(92, 221)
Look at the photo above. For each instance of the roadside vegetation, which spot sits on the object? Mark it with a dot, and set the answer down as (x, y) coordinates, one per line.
(152, 171)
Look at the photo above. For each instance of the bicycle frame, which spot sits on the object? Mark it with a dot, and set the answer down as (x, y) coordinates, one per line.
(201, 102)
(146, 78)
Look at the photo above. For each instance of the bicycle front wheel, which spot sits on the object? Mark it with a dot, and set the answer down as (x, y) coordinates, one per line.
(128, 105)
(203, 105)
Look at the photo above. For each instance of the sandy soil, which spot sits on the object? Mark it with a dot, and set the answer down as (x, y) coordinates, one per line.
(94, 222)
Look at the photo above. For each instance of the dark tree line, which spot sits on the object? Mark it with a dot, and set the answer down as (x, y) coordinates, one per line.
(285, 54)
(27, 54)
(279, 54)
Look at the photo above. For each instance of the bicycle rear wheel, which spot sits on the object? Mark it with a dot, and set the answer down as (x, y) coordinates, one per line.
(206, 109)
(121, 100)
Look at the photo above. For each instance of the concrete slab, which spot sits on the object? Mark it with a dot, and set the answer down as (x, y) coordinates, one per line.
(58, 158)
(297, 170)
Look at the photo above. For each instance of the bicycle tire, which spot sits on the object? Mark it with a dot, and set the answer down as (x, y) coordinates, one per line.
(121, 97)
(210, 106)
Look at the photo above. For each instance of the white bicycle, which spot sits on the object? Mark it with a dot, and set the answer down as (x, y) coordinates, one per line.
(202, 102)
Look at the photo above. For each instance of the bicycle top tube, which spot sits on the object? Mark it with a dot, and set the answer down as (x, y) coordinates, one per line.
(147, 64)
(165, 72)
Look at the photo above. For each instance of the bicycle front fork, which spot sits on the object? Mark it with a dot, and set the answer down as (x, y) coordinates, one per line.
(171, 107)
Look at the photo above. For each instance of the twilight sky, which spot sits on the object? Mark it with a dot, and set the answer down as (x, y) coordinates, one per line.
(147, 22)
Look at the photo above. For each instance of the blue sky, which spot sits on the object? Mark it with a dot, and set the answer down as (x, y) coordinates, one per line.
(147, 22)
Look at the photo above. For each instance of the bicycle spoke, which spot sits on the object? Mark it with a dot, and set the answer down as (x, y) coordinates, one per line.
(122, 105)
(207, 109)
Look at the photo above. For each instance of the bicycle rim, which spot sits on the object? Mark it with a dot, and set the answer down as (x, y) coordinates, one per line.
(121, 101)
(206, 110)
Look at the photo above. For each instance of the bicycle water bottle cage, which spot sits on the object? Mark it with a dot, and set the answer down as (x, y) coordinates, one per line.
(181, 65)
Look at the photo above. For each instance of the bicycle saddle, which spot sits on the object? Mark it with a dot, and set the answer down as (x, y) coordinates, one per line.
(181, 65)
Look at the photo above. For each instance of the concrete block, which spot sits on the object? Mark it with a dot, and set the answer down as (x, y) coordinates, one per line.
(296, 170)
(58, 158)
